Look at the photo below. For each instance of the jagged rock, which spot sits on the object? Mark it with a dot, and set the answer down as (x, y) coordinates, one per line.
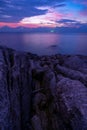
(49, 81)
(36, 123)
(72, 74)
(2, 57)
(39, 102)
(4, 100)
(37, 90)
(35, 93)
(74, 62)
(38, 73)
(73, 103)
(32, 65)
(83, 70)
(60, 77)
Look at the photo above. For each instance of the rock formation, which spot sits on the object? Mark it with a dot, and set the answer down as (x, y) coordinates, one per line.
(42, 92)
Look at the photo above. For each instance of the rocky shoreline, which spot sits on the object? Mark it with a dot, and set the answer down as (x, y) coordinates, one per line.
(42, 92)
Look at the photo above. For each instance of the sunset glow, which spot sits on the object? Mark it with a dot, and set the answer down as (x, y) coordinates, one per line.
(34, 14)
(49, 19)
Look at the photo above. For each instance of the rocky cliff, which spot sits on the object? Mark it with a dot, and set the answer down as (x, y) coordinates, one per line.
(42, 92)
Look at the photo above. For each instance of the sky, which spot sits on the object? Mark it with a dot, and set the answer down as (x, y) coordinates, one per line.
(43, 13)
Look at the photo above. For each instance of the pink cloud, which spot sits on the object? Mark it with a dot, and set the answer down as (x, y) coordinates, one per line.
(47, 20)
(13, 25)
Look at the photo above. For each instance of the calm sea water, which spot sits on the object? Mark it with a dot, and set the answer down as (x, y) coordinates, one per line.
(46, 44)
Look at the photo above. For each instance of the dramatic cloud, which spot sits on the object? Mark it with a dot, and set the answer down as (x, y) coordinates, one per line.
(59, 5)
(43, 13)
(18, 9)
(48, 19)
(69, 23)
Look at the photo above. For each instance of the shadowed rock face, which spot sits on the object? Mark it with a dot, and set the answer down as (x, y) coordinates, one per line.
(42, 93)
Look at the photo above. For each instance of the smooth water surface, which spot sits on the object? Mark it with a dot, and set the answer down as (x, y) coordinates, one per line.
(46, 43)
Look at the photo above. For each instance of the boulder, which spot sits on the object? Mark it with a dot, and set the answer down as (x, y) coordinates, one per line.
(73, 74)
(72, 98)
(74, 62)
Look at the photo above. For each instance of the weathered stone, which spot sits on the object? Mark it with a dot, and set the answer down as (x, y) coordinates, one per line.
(35, 95)
(39, 101)
(72, 74)
(36, 123)
(4, 100)
(73, 103)
(74, 62)
(49, 81)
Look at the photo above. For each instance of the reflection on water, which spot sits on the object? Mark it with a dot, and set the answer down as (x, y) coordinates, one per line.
(46, 43)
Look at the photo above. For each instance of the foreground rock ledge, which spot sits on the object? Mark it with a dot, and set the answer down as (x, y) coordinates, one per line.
(42, 92)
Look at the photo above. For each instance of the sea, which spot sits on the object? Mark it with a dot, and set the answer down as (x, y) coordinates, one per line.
(46, 43)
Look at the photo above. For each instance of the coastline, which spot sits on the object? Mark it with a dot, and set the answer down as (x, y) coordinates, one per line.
(37, 91)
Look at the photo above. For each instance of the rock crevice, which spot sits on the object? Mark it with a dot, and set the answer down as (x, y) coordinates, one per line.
(42, 92)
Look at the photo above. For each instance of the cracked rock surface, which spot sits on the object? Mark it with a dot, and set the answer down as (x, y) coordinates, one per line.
(42, 92)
